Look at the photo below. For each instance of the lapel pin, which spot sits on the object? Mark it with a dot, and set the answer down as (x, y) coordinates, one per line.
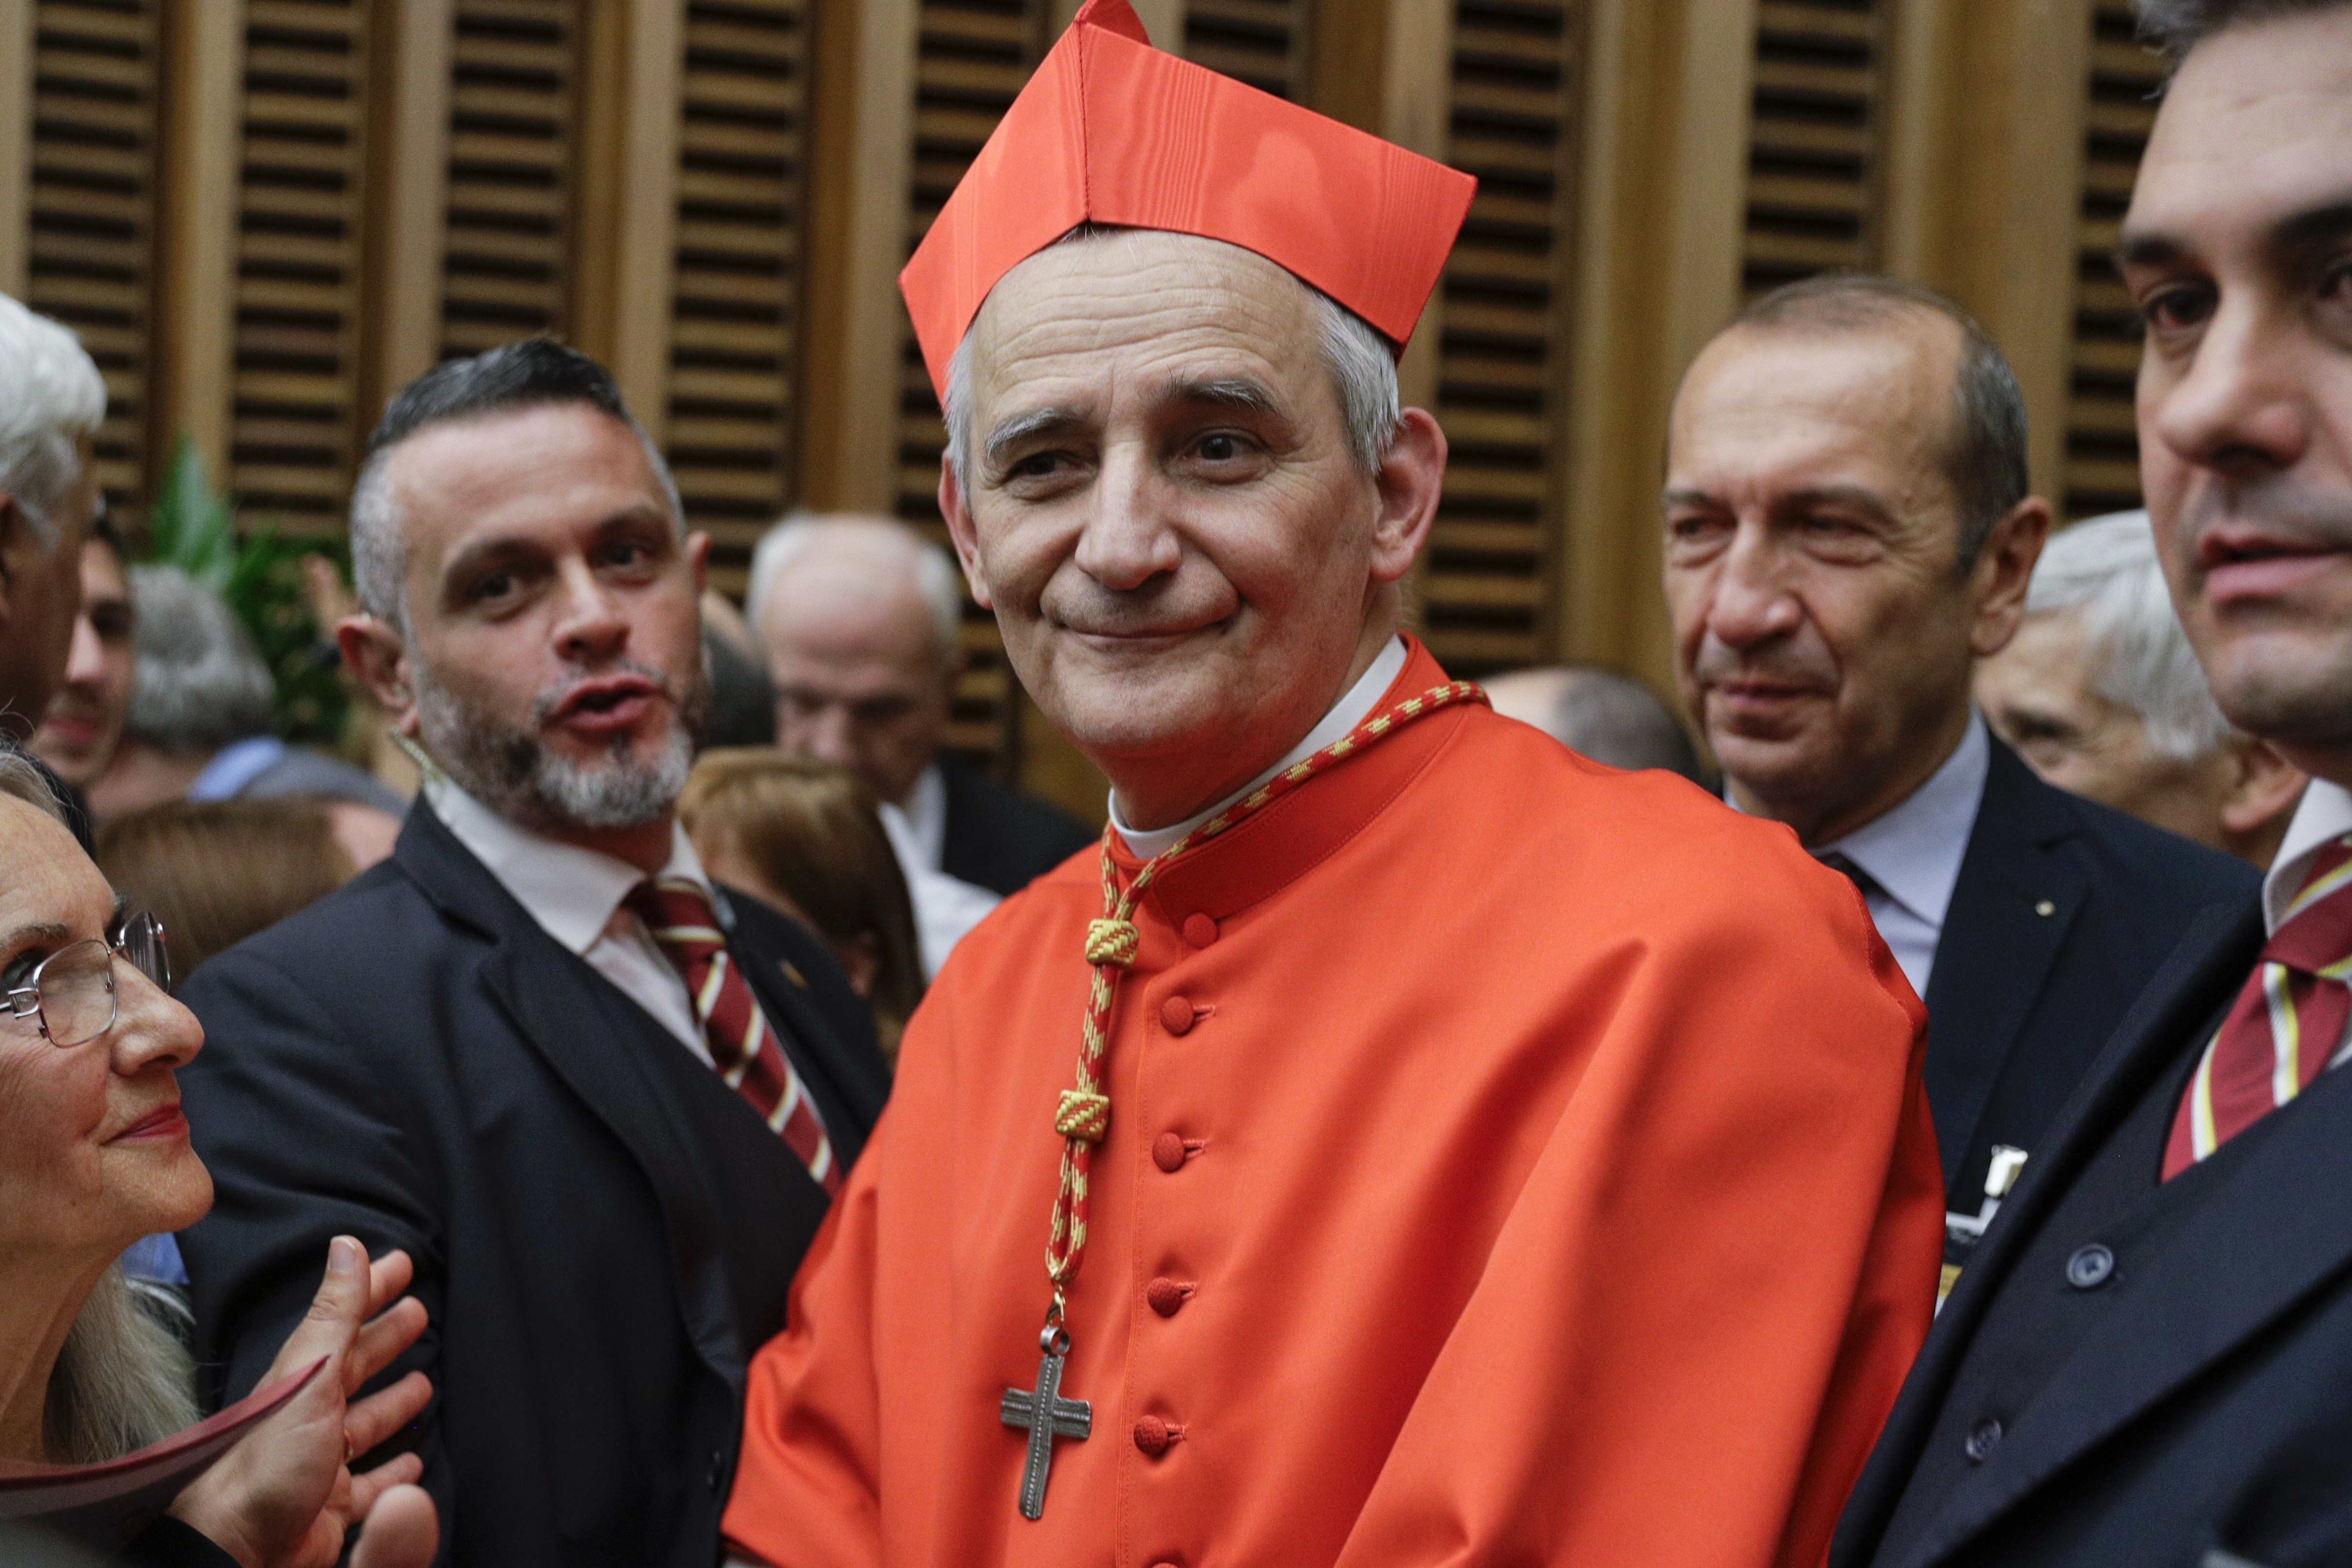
(2046, 909)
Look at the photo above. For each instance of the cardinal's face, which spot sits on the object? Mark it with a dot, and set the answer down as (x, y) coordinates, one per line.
(1160, 504)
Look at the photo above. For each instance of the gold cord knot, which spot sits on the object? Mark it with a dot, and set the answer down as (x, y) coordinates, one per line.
(1082, 1116)
(1111, 942)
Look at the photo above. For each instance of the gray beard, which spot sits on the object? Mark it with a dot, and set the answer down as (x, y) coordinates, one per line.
(511, 771)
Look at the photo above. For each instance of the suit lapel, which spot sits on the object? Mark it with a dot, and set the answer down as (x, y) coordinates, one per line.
(1998, 946)
(591, 1036)
(781, 992)
(2203, 971)
(2255, 1248)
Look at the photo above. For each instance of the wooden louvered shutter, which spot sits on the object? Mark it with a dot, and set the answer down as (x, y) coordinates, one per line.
(734, 347)
(972, 58)
(516, 75)
(1503, 353)
(294, 424)
(2102, 442)
(91, 230)
(1261, 42)
(1812, 161)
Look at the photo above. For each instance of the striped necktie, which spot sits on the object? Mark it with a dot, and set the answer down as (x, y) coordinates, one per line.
(2286, 1025)
(679, 915)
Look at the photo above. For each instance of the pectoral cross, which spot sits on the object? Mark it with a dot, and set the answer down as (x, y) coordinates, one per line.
(1048, 1416)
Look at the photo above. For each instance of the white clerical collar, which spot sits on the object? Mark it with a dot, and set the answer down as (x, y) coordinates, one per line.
(1914, 850)
(2325, 816)
(1350, 711)
(571, 892)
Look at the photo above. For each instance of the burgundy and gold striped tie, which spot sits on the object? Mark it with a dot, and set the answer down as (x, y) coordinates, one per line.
(742, 1046)
(2286, 1025)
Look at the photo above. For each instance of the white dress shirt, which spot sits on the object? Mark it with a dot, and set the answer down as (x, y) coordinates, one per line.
(1353, 707)
(945, 907)
(925, 812)
(1914, 853)
(575, 896)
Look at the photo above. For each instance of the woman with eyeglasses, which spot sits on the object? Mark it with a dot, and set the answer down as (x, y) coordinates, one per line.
(95, 1153)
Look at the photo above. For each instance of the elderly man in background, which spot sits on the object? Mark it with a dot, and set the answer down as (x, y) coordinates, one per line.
(1387, 1218)
(1848, 530)
(602, 1103)
(2101, 694)
(202, 707)
(858, 616)
(84, 724)
(52, 400)
(2149, 1361)
(1598, 714)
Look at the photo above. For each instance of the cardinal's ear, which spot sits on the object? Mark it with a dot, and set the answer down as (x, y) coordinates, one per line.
(1410, 478)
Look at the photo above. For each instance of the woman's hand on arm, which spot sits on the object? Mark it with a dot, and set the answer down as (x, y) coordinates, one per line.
(285, 1496)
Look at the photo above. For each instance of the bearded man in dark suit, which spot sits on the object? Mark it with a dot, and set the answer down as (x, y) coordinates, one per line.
(601, 1103)
(2150, 1359)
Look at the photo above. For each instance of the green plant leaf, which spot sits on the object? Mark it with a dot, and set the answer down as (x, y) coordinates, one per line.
(194, 527)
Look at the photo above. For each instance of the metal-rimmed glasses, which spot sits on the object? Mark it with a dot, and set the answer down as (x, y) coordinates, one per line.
(70, 994)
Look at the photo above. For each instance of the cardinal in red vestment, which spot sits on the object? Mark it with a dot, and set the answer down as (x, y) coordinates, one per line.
(1405, 1142)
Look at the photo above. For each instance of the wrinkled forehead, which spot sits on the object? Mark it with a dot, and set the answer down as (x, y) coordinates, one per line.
(50, 879)
(1130, 303)
(1774, 406)
(2254, 131)
(541, 466)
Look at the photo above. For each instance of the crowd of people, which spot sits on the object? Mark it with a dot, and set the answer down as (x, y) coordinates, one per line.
(1872, 1109)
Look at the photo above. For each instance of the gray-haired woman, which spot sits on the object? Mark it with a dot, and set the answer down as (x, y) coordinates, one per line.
(93, 1154)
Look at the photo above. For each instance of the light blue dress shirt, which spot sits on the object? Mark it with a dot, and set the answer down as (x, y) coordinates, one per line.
(1914, 853)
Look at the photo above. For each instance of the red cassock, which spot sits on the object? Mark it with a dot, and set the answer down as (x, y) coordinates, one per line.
(1511, 1161)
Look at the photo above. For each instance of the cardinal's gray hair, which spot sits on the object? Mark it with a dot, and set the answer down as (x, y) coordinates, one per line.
(1362, 364)
(2173, 27)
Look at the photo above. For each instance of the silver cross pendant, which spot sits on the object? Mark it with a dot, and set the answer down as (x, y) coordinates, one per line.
(1048, 1416)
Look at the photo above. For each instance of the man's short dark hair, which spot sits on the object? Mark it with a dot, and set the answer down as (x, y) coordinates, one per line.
(1985, 457)
(533, 373)
(2173, 27)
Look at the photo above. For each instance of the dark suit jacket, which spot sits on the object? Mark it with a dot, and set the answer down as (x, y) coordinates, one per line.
(604, 1231)
(1000, 839)
(2062, 910)
(2163, 1390)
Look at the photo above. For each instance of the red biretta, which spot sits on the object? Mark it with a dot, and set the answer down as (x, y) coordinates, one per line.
(1473, 1154)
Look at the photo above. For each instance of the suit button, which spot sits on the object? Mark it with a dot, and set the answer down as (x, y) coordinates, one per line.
(1983, 1441)
(1176, 1015)
(2090, 1267)
(1165, 1296)
(1200, 930)
(1168, 1152)
(718, 1468)
(1152, 1435)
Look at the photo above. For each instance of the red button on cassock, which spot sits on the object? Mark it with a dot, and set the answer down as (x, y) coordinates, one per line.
(1151, 1435)
(1165, 1296)
(1168, 1152)
(1200, 930)
(1176, 1015)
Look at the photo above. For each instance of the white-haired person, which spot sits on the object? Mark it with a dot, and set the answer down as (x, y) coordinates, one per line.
(52, 400)
(857, 618)
(94, 1153)
(2101, 694)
